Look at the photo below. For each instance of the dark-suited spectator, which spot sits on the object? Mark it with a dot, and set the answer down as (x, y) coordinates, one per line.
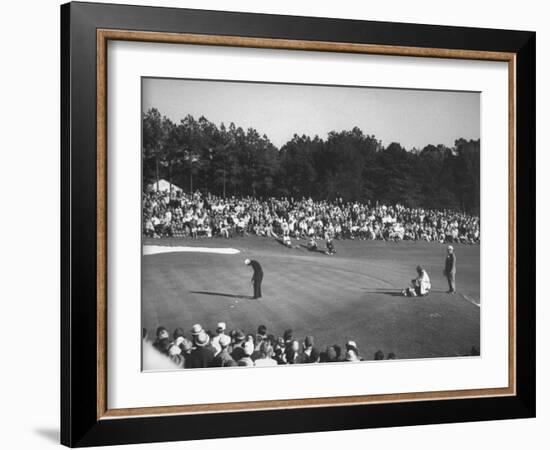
(310, 354)
(163, 345)
(450, 269)
(202, 356)
(329, 355)
(237, 351)
(379, 355)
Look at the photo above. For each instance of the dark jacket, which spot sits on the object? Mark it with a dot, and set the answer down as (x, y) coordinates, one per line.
(201, 357)
(238, 352)
(258, 272)
(450, 263)
(221, 359)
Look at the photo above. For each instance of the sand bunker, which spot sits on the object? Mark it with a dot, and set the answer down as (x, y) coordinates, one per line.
(156, 249)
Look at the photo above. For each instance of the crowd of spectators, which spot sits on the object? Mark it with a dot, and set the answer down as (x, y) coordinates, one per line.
(235, 348)
(205, 216)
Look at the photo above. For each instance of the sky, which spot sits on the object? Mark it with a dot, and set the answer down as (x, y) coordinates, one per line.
(413, 118)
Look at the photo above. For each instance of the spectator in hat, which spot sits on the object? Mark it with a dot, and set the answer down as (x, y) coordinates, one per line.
(223, 357)
(379, 355)
(351, 345)
(237, 351)
(195, 331)
(450, 269)
(391, 355)
(202, 356)
(352, 356)
(220, 331)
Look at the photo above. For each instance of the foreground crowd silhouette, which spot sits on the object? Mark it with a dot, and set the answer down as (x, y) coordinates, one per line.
(235, 348)
(206, 216)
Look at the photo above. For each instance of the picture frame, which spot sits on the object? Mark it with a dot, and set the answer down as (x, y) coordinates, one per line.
(86, 419)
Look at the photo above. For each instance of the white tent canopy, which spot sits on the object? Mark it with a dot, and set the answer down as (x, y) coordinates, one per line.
(164, 186)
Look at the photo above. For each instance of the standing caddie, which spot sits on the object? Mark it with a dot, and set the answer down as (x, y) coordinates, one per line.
(257, 276)
(450, 269)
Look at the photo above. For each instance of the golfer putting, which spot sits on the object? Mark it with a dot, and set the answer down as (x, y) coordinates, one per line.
(257, 276)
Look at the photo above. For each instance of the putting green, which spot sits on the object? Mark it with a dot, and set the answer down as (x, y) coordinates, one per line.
(353, 295)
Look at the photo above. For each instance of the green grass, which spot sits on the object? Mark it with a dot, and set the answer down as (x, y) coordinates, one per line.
(354, 294)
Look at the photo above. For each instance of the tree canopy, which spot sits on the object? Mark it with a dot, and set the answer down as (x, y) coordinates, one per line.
(198, 154)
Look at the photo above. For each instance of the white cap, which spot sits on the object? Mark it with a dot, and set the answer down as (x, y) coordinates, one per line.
(221, 326)
(450, 247)
(247, 261)
(351, 344)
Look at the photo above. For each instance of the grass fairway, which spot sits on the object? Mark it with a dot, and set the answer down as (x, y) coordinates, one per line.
(355, 294)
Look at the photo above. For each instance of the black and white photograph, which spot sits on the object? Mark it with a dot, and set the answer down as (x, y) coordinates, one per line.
(299, 224)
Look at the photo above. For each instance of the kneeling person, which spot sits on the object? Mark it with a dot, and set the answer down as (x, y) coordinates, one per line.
(420, 286)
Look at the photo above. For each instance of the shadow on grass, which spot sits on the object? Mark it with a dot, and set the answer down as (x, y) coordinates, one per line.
(222, 294)
(399, 293)
(385, 292)
(316, 250)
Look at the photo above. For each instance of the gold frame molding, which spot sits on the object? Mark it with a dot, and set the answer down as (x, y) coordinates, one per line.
(105, 35)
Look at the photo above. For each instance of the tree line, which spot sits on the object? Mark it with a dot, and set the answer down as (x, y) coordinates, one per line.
(198, 154)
